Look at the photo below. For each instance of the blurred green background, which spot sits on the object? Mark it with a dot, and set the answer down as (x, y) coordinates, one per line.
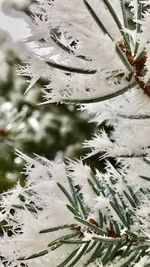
(47, 130)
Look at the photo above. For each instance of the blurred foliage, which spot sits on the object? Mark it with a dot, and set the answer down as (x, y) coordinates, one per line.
(45, 130)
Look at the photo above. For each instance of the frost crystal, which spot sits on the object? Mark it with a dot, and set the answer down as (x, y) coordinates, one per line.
(71, 213)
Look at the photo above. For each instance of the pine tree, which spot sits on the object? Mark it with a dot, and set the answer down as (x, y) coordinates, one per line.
(70, 212)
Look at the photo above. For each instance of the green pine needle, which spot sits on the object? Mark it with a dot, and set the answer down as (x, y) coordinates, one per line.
(57, 228)
(73, 210)
(66, 194)
(97, 20)
(118, 23)
(101, 98)
(36, 255)
(68, 49)
(91, 226)
(70, 69)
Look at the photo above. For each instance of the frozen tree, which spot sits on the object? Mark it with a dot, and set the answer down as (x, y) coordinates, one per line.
(70, 213)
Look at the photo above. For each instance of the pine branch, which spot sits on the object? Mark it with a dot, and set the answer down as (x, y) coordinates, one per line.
(102, 215)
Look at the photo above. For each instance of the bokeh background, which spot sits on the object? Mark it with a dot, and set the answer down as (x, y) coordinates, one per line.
(48, 130)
